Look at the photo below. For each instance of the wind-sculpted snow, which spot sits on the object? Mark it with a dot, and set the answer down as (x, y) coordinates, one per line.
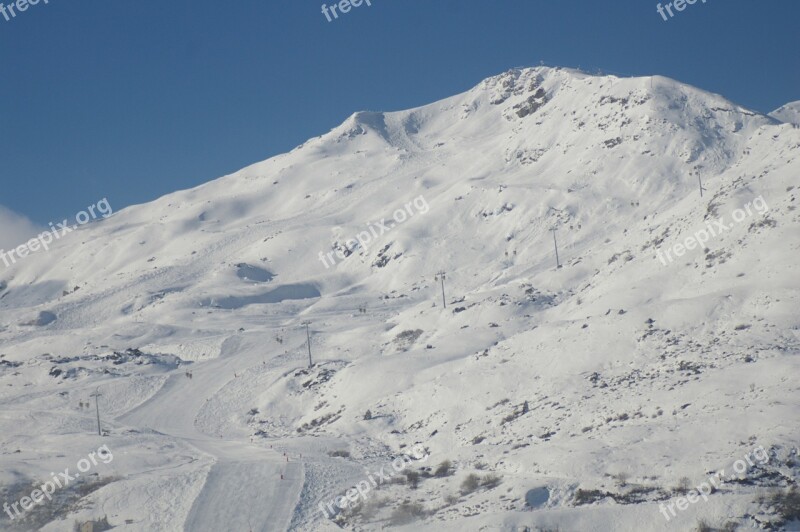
(277, 295)
(254, 274)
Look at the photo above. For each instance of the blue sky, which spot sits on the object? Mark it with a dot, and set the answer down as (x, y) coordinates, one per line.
(133, 100)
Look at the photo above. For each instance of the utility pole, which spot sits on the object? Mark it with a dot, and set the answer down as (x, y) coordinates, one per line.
(96, 396)
(699, 180)
(308, 336)
(441, 276)
(555, 243)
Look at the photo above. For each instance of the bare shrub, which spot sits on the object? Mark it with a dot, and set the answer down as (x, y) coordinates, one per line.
(407, 512)
(413, 479)
(684, 485)
(490, 481)
(787, 503)
(470, 484)
(451, 499)
(703, 526)
(445, 469)
(340, 454)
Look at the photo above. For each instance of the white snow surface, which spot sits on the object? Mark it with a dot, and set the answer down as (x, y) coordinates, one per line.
(615, 372)
(789, 113)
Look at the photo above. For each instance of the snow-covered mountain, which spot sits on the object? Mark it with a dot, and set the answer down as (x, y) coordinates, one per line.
(581, 396)
(789, 113)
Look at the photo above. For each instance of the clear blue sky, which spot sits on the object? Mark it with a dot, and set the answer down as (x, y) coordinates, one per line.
(131, 100)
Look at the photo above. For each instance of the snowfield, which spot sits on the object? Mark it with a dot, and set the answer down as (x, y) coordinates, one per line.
(585, 397)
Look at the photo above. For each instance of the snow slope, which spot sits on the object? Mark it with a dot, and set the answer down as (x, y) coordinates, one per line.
(789, 113)
(605, 381)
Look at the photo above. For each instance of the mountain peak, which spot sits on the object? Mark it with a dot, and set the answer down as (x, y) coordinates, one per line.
(561, 338)
(789, 113)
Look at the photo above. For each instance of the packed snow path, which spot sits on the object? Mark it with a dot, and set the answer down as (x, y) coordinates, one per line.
(244, 489)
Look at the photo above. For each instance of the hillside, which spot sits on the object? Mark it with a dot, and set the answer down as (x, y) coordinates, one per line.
(599, 384)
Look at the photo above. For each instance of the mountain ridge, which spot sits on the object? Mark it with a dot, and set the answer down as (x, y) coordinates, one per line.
(555, 375)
